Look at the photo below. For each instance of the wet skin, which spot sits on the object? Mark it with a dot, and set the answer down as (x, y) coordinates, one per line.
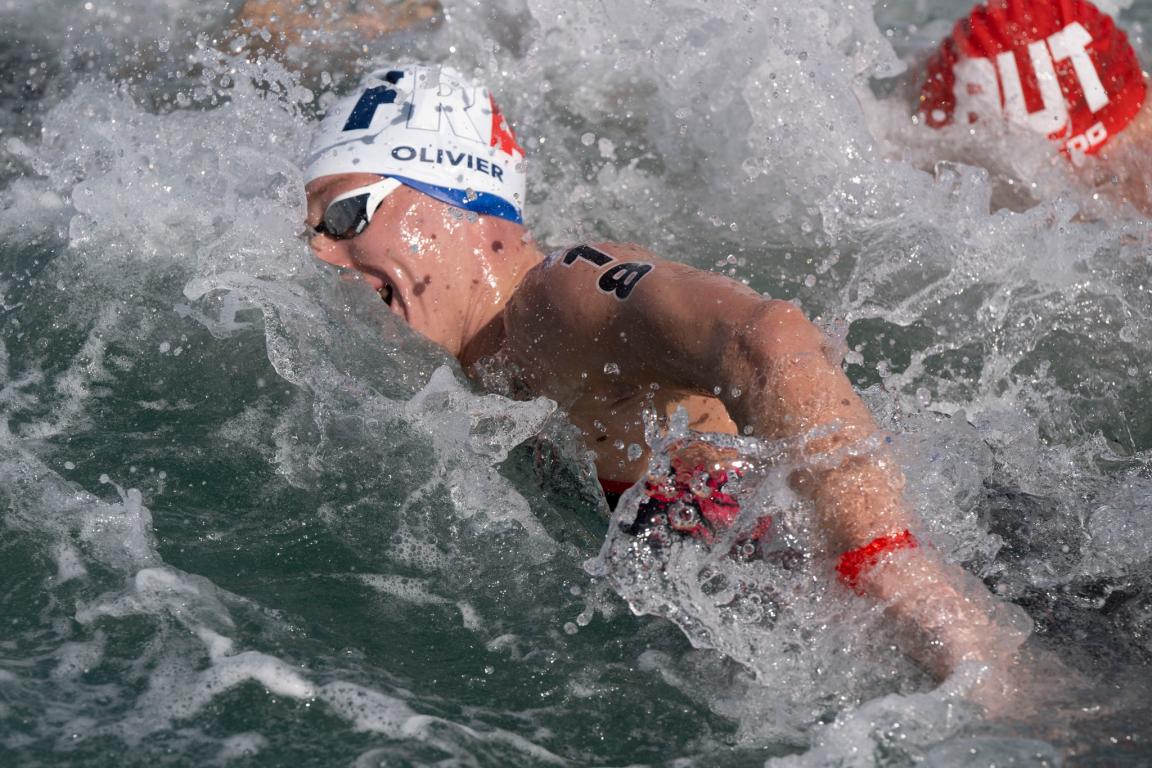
(681, 337)
(479, 287)
(450, 276)
(442, 270)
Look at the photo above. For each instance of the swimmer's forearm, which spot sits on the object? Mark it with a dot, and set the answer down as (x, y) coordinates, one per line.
(275, 16)
(288, 20)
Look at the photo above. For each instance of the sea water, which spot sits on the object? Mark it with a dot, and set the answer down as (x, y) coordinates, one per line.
(250, 519)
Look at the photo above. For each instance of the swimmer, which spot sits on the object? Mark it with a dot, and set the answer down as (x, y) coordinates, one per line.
(1059, 68)
(290, 21)
(416, 184)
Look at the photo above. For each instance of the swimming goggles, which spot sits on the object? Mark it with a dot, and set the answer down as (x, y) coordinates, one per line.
(351, 213)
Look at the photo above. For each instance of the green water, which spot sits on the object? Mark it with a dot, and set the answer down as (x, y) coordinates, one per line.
(243, 523)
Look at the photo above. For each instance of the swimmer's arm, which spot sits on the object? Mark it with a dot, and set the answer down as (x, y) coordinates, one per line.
(701, 332)
(287, 21)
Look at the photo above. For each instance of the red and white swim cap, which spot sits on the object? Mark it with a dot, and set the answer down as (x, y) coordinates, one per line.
(1057, 67)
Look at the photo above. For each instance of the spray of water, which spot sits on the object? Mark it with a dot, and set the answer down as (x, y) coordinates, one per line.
(248, 515)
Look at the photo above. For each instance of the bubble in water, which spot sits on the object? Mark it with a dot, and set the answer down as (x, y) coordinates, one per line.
(588, 139)
(612, 369)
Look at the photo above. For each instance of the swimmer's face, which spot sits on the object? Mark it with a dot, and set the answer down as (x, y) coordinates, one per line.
(410, 254)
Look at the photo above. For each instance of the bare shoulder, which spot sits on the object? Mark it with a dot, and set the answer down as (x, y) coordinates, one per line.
(620, 306)
(613, 283)
(585, 283)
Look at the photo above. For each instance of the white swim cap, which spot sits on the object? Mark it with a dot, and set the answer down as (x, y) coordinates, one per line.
(430, 129)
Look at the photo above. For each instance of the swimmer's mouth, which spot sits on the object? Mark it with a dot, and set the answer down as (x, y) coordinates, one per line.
(391, 297)
(387, 291)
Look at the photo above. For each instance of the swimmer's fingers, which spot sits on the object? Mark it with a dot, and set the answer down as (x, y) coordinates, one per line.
(944, 617)
(999, 690)
(1034, 681)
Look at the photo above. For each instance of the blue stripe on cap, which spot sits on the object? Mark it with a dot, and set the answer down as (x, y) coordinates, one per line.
(483, 203)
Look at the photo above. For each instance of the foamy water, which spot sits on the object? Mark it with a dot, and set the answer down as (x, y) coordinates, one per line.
(249, 518)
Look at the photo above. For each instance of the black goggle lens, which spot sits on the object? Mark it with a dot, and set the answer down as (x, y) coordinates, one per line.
(345, 218)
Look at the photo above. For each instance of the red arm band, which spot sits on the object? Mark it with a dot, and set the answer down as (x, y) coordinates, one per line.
(856, 562)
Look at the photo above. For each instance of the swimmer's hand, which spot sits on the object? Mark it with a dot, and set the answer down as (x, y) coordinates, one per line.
(949, 621)
(283, 23)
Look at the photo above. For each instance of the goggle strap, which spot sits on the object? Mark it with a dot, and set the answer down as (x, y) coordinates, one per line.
(382, 189)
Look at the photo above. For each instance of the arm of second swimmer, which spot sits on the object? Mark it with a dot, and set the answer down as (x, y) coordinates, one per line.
(287, 20)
